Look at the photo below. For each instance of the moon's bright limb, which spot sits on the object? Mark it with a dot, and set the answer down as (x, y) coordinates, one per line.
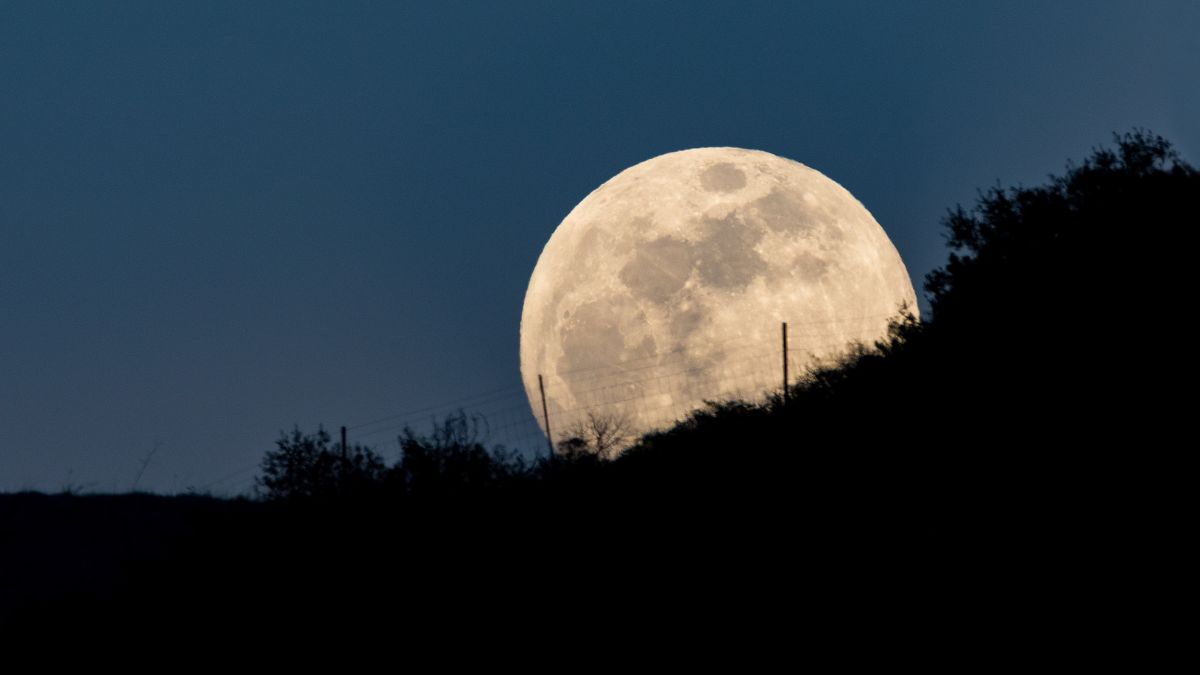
(667, 285)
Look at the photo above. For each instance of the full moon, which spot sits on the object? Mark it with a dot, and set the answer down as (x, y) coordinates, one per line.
(667, 286)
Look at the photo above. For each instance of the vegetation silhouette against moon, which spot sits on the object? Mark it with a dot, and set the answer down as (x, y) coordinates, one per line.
(667, 286)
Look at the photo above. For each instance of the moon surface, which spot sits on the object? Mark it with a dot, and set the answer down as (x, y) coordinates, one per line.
(667, 285)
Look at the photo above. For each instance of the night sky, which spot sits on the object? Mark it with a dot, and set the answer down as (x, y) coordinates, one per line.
(220, 220)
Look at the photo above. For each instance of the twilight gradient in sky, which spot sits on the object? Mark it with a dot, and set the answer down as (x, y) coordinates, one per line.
(220, 219)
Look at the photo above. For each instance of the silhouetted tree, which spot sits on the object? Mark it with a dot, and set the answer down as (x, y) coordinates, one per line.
(1091, 247)
(1057, 296)
(604, 435)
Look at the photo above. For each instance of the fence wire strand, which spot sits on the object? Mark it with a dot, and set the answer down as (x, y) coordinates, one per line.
(674, 383)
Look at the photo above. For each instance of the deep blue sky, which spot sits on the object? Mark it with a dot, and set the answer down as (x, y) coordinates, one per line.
(219, 220)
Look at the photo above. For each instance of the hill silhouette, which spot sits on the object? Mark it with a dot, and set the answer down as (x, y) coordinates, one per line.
(1005, 427)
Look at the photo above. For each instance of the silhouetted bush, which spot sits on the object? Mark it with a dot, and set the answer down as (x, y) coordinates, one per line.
(307, 466)
(453, 458)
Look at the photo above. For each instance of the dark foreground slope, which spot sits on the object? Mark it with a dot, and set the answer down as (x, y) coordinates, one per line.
(630, 551)
(975, 473)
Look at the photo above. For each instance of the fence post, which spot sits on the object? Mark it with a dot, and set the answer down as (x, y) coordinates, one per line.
(546, 415)
(785, 364)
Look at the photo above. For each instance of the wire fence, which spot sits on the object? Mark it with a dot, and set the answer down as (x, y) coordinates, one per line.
(644, 393)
